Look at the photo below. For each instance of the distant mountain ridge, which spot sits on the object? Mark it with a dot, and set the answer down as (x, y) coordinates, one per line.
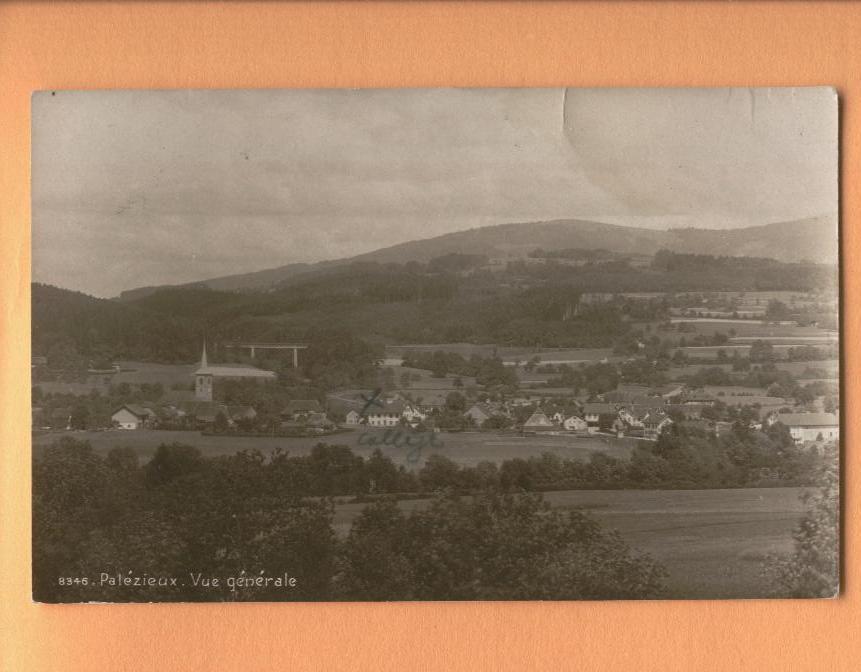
(813, 239)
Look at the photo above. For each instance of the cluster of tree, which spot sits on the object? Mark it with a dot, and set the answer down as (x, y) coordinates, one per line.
(776, 382)
(183, 515)
(75, 330)
(673, 272)
(682, 457)
(336, 358)
(595, 378)
(812, 569)
(577, 253)
(761, 352)
(487, 371)
(717, 338)
(812, 353)
(456, 262)
(601, 377)
(492, 546)
(777, 310)
(747, 273)
(92, 411)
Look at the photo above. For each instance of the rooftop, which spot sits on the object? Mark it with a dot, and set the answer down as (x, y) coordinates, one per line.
(136, 409)
(599, 408)
(538, 419)
(233, 371)
(809, 419)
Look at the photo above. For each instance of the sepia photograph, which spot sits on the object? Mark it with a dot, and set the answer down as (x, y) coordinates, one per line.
(435, 344)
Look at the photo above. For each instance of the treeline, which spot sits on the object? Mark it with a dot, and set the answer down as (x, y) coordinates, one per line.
(776, 382)
(488, 371)
(75, 331)
(524, 305)
(576, 253)
(681, 458)
(673, 272)
(602, 377)
(240, 516)
(752, 273)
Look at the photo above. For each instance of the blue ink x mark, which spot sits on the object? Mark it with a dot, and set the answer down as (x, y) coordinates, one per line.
(373, 401)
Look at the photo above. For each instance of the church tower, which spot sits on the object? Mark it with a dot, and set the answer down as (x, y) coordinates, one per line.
(203, 379)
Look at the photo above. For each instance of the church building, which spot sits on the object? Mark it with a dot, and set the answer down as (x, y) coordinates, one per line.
(206, 374)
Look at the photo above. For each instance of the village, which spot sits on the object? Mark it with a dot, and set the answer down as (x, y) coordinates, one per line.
(420, 400)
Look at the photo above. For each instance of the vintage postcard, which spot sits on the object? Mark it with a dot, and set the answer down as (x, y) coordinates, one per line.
(435, 344)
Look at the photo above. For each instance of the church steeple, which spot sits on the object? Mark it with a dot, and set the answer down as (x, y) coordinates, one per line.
(203, 379)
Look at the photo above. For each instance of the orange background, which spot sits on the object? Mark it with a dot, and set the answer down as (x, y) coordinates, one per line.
(68, 45)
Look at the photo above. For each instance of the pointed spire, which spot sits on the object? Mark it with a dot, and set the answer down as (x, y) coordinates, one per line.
(203, 362)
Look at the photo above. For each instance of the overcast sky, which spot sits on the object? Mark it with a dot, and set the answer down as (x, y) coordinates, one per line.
(134, 188)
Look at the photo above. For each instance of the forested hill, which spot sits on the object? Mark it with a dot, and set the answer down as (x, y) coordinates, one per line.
(813, 239)
(448, 299)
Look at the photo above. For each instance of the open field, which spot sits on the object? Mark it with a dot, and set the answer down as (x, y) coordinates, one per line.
(759, 299)
(146, 372)
(781, 349)
(753, 328)
(712, 542)
(466, 448)
(798, 368)
(133, 373)
(795, 368)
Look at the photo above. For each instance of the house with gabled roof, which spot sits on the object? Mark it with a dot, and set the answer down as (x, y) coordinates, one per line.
(697, 398)
(805, 427)
(132, 416)
(480, 411)
(654, 423)
(538, 421)
(626, 393)
(558, 417)
(299, 409)
(413, 414)
(669, 391)
(319, 421)
(385, 415)
(592, 412)
(354, 418)
(203, 412)
(575, 423)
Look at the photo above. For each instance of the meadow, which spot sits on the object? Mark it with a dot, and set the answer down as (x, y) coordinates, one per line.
(168, 375)
(713, 543)
(787, 332)
(797, 369)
